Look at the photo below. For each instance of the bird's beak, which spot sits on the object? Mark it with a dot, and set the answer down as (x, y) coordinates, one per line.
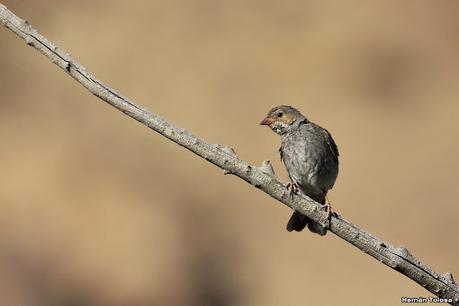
(267, 121)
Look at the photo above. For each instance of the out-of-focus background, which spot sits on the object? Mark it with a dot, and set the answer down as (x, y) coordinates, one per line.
(96, 209)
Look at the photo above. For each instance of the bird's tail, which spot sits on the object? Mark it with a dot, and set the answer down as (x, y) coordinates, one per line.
(298, 222)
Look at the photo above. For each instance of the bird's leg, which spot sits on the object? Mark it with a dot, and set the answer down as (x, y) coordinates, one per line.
(293, 188)
(328, 208)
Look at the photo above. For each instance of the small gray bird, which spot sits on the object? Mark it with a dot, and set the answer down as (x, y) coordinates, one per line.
(311, 158)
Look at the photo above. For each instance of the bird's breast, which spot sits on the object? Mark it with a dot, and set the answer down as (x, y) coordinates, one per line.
(308, 165)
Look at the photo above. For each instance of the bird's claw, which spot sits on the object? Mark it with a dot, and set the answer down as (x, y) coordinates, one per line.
(293, 188)
(329, 210)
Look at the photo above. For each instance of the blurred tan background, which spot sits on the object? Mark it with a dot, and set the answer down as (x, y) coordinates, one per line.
(95, 209)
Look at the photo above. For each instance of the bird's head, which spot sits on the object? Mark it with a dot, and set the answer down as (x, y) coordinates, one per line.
(282, 119)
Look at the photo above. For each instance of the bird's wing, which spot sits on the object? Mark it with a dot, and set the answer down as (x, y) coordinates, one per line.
(331, 145)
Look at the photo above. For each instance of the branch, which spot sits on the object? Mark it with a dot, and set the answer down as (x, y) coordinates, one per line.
(263, 177)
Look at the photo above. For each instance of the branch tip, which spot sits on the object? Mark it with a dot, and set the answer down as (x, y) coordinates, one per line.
(229, 150)
(449, 278)
(267, 167)
(29, 40)
(403, 252)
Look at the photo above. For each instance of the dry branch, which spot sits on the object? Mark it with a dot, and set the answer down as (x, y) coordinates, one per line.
(263, 178)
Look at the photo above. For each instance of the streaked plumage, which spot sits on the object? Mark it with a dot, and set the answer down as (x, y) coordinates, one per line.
(310, 156)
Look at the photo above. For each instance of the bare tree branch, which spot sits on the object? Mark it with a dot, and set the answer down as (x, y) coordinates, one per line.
(398, 258)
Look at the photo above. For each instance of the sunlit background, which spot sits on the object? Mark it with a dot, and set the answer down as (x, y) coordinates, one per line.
(96, 209)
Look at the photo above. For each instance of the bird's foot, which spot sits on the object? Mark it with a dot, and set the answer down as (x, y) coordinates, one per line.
(329, 209)
(293, 188)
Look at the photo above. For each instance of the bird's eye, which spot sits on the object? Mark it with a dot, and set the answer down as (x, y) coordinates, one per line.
(280, 114)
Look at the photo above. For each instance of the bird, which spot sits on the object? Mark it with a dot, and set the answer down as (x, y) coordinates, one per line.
(311, 158)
